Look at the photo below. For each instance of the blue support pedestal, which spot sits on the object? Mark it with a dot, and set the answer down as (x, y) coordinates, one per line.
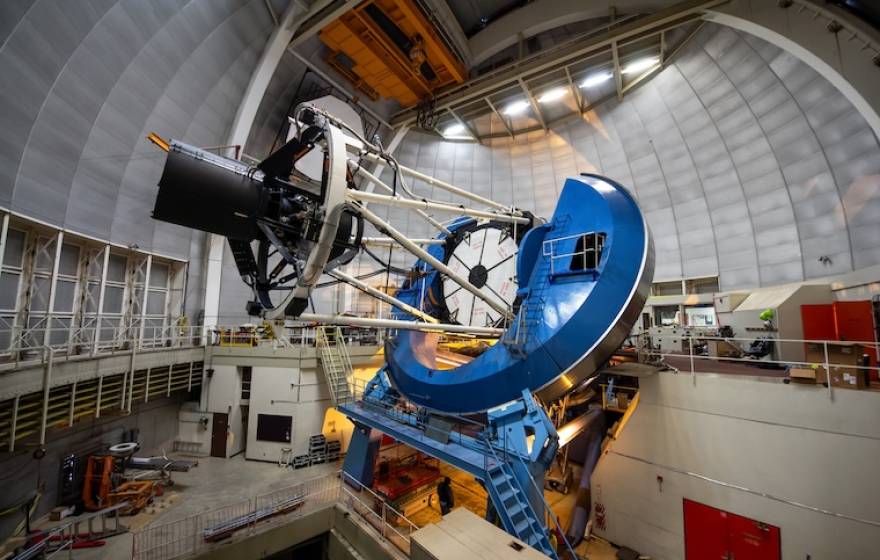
(361, 456)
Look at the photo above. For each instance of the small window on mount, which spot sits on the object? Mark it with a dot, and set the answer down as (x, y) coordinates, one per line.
(587, 252)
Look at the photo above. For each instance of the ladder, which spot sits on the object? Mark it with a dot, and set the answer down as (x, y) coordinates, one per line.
(336, 363)
(531, 311)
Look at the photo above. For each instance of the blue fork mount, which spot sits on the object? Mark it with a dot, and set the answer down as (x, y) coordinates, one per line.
(570, 321)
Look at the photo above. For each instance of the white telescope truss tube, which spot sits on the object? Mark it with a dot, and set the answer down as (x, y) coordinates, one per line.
(445, 186)
(397, 324)
(364, 287)
(386, 241)
(422, 213)
(401, 202)
(389, 230)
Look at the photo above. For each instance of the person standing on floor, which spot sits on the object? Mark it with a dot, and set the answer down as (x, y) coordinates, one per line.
(444, 494)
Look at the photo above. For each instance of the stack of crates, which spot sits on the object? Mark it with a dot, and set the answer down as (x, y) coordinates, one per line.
(317, 449)
(333, 449)
(301, 461)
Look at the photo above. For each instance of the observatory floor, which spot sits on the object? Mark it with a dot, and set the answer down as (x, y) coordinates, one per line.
(217, 482)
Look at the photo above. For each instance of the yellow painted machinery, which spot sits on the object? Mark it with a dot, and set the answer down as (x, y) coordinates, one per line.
(389, 49)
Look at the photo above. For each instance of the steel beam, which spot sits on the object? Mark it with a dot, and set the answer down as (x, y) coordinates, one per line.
(575, 91)
(53, 285)
(140, 339)
(533, 102)
(48, 359)
(395, 324)
(500, 117)
(367, 289)
(446, 186)
(401, 202)
(376, 181)
(618, 75)
(386, 241)
(569, 53)
(389, 230)
(467, 125)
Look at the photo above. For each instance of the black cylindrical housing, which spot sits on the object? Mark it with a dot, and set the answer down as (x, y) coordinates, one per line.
(201, 195)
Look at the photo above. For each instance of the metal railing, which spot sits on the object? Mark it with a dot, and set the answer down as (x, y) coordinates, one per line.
(394, 527)
(827, 366)
(90, 342)
(549, 249)
(202, 532)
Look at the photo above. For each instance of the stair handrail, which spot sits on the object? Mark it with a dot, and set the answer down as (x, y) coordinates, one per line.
(343, 351)
(519, 487)
(546, 506)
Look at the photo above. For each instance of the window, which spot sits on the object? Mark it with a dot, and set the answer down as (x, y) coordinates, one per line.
(587, 252)
(672, 288)
(700, 316)
(666, 315)
(702, 285)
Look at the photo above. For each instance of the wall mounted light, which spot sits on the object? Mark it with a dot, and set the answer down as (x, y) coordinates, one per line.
(640, 65)
(596, 79)
(455, 129)
(516, 108)
(552, 95)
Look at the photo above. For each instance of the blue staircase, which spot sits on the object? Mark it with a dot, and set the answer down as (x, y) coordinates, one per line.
(514, 509)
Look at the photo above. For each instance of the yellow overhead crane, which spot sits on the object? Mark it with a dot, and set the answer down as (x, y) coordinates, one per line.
(389, 49)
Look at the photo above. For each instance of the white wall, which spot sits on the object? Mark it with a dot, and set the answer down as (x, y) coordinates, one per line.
(286, 391)
(750, 447)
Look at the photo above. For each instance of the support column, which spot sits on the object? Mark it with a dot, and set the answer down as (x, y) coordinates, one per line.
(53, 284)
(361, 455)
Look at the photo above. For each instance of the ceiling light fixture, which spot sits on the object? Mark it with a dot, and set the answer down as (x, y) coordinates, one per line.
(516, 108)
(640, 65)
(596, 79)
(552, 95)
(454, 129)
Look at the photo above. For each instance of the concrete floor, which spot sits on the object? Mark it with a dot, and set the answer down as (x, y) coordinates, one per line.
(213, 484)
(221, 482)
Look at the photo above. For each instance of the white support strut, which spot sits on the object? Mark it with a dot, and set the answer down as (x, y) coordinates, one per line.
(376, 181)
(396, 324)
(445, 186)
(423, 204)
(363, 286)
(389, 230)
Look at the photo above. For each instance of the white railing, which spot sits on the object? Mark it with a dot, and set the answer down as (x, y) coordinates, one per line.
(202, 532)
(87, 342)
(394, 527)
(700, 361)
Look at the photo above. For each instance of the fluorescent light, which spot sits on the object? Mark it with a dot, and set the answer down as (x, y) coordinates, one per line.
(640, 65)
(552, 95)
(596, 79)
(453, 130)
(516, 108)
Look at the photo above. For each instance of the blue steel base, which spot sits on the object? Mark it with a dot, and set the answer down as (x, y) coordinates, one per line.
(361, 456)
(499, 457)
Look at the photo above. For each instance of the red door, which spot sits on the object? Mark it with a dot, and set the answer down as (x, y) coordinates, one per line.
(714, 534)
(855, 322)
